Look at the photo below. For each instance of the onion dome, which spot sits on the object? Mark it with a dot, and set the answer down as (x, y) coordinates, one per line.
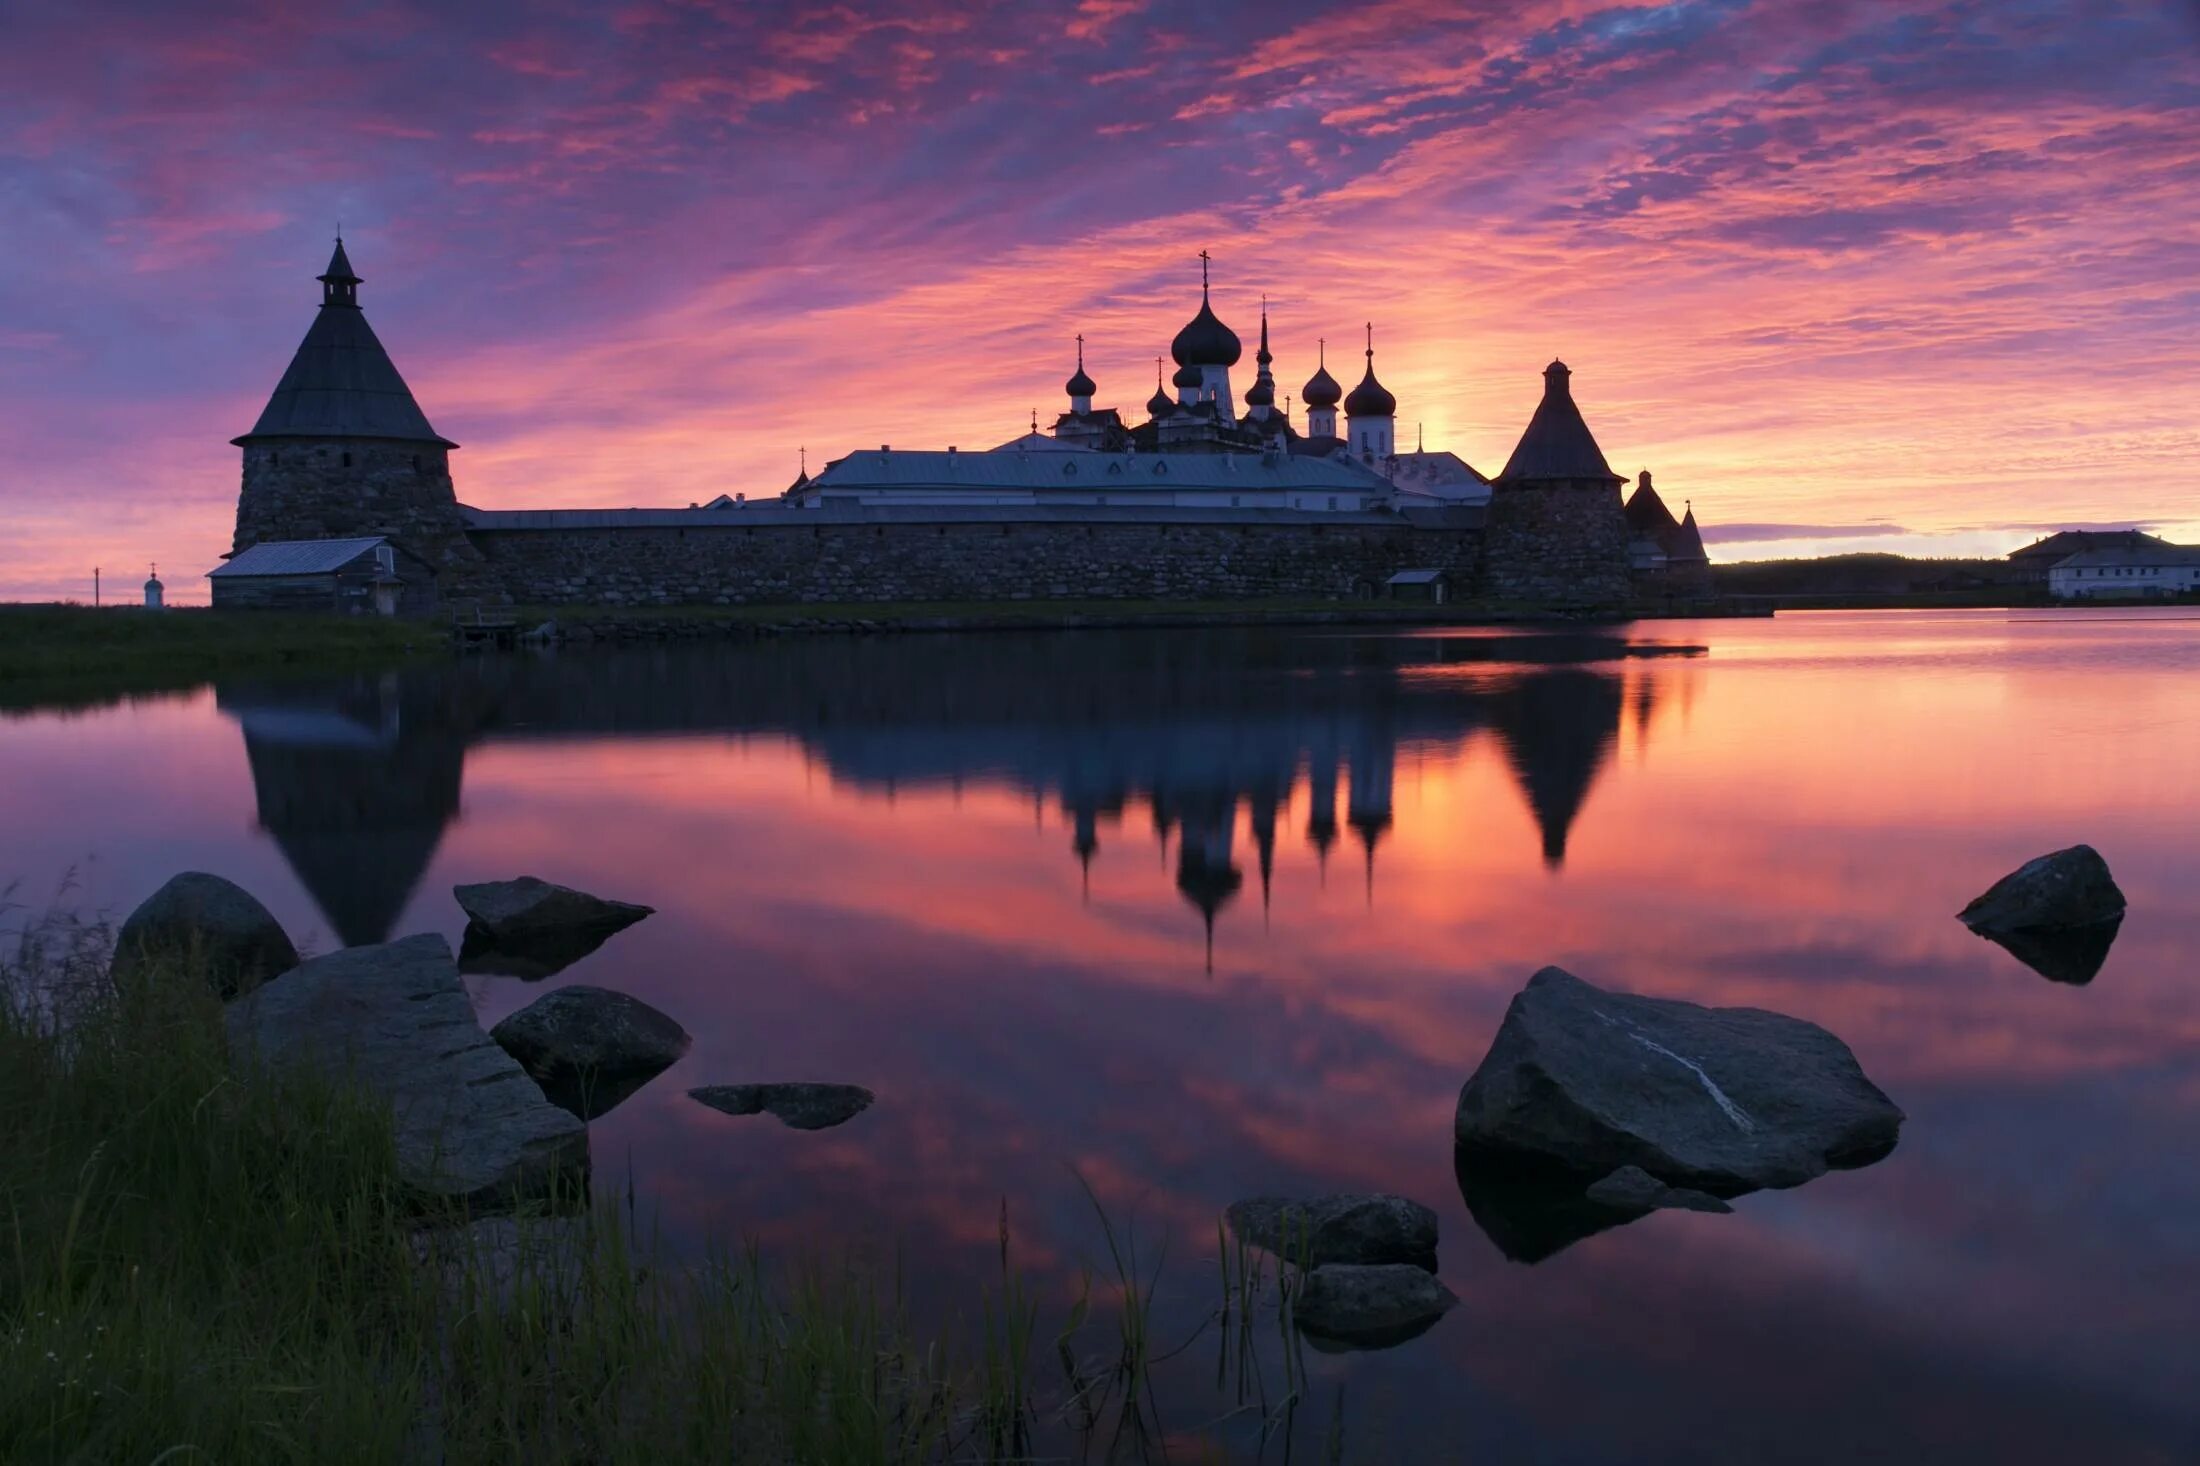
(1080, 385)
(1370, 398)
(1187, 376)
(1161, 403)
(1205, 341)
(1260, 394)
(1321, 389)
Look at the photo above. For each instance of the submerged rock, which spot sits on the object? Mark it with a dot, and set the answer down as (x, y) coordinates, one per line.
(580, 1031)
(1719, 1099)
(1530, 1212)
(2074, 956)
(395, 1021)
(530, 958)
(211, 923)
(508, 911)
(799, 1106)
(1632, 1189)
(1370, 1306)
(1374, 1228)
(2060, 891)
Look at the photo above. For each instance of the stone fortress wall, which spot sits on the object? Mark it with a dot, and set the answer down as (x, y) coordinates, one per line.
(763, 556)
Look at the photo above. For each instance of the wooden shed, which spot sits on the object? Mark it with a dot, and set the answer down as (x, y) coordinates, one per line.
(1432, 586)
(354, 577)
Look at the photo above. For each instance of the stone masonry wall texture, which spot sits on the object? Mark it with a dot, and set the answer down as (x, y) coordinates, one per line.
(1557, 544)
(767, 564)
(305, 489)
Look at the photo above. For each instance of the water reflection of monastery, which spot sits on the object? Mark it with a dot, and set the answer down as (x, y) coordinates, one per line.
(1300, 733)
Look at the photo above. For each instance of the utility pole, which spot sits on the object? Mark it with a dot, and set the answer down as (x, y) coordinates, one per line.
(95, 587)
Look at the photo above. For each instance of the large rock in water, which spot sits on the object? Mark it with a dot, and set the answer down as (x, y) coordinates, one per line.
(395, 1020)
(1717, 1099)
(1353, 1229)
(214, 924)
(1370, 1307)
(530, 908)
(2058, 892)
(589, 1048)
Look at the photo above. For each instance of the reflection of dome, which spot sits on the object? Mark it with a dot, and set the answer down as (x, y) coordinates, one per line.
(356, 786)
(1556, 728)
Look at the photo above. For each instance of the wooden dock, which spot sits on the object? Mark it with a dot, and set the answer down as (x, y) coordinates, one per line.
(485, 631)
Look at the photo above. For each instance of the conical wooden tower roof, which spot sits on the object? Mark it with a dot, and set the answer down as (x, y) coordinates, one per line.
(1557, 444)
(341, 383)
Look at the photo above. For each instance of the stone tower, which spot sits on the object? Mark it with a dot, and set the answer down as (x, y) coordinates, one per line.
(342, 449)
(1556, 531)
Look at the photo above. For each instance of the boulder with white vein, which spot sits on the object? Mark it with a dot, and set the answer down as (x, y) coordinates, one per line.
(1724, 1100)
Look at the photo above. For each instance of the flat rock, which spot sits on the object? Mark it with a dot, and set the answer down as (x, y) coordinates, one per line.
(2061, 891)
(532, 908)
(1717, 1099)
(209, 922)
(800, 1106)
(1370, 1306)
(1367, 1229)
(395, 1020)
(1632, 1189)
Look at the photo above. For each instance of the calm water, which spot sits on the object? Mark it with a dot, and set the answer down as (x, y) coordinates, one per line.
(1201, 916)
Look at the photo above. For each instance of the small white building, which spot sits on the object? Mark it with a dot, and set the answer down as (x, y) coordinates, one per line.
(2143, 572)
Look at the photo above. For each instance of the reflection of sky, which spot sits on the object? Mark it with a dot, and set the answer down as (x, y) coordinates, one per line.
(1775, 824)
(1917, 264)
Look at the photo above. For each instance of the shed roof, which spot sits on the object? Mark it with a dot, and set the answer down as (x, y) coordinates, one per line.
(1415, 577)
(295, 557)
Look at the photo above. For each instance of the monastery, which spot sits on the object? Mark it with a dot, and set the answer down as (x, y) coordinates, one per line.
(348, 501)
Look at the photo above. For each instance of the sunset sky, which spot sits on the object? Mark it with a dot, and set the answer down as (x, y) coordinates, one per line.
(1899, 275)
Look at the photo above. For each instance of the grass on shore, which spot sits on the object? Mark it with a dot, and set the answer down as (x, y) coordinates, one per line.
(204, 1265)
(65, 654)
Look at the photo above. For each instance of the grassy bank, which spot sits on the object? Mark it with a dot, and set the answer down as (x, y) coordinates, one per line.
(206, 1265)
(69, 654)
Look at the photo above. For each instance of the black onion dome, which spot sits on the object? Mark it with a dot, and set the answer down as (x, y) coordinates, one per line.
(1260, 394)
(1080, 385)
(1187, 376)
(1370, 398)
(1321, 390)
(1205, 341)
(1160, 404)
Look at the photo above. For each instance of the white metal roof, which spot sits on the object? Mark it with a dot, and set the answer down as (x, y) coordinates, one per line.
(1415, 577)
(2136, 557)
(1015, 469)
(295, 557)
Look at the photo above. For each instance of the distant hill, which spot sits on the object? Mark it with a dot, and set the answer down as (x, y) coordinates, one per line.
(1872, 576)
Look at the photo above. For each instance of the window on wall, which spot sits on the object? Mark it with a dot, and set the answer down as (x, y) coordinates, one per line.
(347, 460)
(416, 463)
